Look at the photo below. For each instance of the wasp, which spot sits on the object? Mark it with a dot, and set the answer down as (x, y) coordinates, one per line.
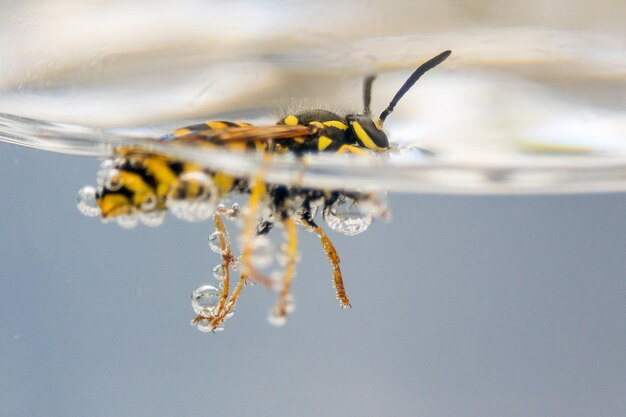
(137, 184)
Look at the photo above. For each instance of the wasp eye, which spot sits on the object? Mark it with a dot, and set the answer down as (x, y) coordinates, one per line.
(367, 132)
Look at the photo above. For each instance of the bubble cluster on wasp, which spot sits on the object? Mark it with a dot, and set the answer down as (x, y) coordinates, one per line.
(139, 187)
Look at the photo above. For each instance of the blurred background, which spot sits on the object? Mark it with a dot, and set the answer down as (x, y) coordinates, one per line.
(462, 305)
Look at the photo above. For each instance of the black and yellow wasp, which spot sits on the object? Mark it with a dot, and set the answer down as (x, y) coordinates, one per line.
(140, 185)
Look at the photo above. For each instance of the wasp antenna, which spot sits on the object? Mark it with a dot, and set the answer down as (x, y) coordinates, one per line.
(367, 93)
(428, 65)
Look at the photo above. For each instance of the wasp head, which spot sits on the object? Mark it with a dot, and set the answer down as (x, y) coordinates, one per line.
(367, 132)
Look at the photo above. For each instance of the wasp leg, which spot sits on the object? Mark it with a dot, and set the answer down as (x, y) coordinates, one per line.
(292, 253)
(223, 315)
(227, 261)
(333, 258)
(249, 232)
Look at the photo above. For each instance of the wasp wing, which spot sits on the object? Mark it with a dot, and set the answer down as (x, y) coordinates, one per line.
(242, 134)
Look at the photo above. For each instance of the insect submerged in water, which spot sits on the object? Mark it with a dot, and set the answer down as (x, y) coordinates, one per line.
(140, 185)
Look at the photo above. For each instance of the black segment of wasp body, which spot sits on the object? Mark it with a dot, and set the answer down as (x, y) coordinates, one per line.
(140, 185)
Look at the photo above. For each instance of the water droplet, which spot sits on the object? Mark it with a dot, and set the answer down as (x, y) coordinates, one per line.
(214, 241)
(193, 197)
(261, 252)
(219, 272)
(282, 257)
(204, 299)
(87, 202)
(149, 203)
(235, 263)
(220, 209)
(290, 305)
(275, 318)
(103, 172)
(112, 179)
(233, 212)
(153, 218)
(276, 278)
(347, 217)
(127, 221)
(203, 325)
(265, 214)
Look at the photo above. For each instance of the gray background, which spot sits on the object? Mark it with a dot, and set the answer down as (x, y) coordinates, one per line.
(464, 306)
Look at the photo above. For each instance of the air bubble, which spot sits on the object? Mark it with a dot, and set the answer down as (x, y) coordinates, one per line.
(276, 278)
(275, 318)
(105, 167)
(204, 299)
(233, 212)
(203, 325)
(112, 179)
(87, 202)
(149, 203)
(214, 241)
(235, 263)
(153, 218)
(261, 252)
(347, 217)
(283, 257)
(193, 197)
(220, 209)
(127, 221)
(290, 304)
(219, 272)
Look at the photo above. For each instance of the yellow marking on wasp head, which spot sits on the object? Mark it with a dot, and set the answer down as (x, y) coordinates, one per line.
(291, 120)
(364, 137)
(336, 124)
(323, 142)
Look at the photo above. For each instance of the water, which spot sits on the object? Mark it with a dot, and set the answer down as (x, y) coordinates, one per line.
(496, 288)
